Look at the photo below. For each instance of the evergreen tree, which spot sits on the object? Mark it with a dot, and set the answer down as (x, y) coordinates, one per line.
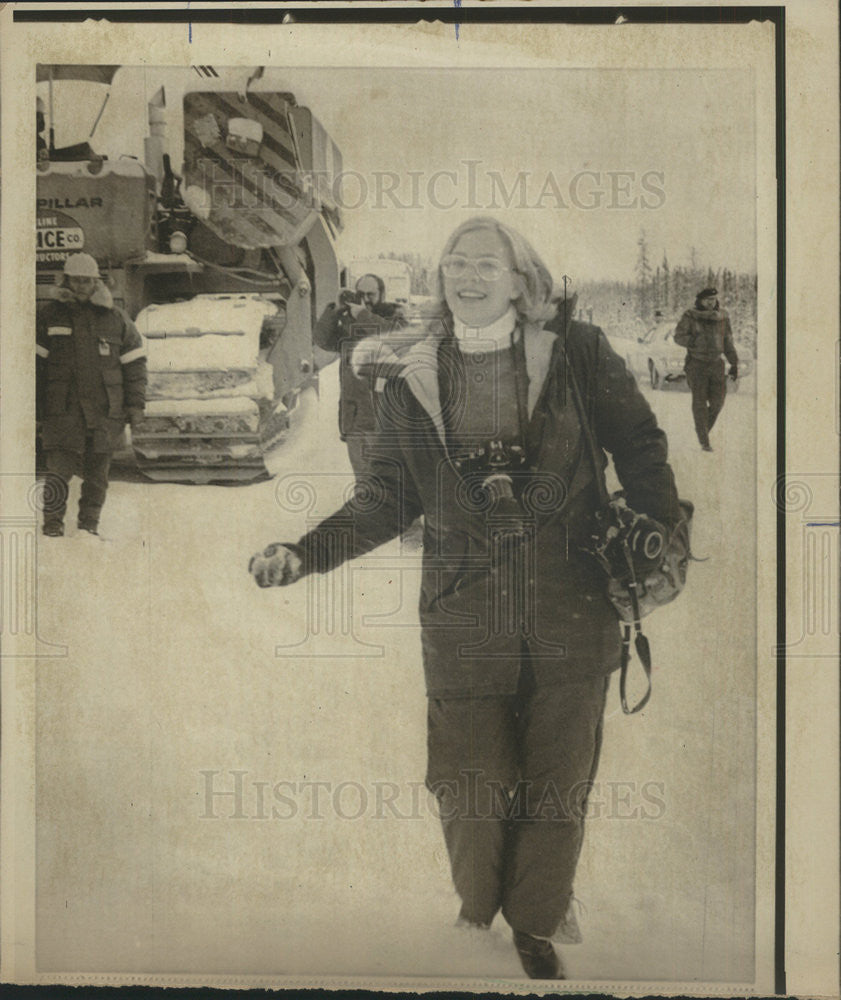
(644, 278)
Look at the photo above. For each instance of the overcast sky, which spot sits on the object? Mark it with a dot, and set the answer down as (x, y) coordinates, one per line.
(585, 158)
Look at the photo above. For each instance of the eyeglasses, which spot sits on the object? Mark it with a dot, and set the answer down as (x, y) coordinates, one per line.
(488, 268)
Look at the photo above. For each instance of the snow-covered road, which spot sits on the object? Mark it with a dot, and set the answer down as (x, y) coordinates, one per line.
(229, 779)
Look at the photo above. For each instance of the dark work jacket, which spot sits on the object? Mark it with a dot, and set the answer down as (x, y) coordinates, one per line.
(338, 331)
(474, 617)
(91, 369)
(706, 335)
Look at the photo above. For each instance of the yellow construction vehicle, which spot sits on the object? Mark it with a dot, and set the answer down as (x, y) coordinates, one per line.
(223, 265)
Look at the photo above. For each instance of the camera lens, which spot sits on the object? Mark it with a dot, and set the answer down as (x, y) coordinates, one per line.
(499, 487)
(652, 545)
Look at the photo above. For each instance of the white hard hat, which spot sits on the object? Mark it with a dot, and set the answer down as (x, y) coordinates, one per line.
(81, 265)
(39, 105)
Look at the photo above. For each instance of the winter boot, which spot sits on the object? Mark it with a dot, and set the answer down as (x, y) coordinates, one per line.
(53, 529)
(539, 959)
(90, 526)
(471, 924)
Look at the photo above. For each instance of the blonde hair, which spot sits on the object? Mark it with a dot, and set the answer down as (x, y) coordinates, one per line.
(533, 302)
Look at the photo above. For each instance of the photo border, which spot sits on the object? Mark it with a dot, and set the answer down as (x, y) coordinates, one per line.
(515, 14)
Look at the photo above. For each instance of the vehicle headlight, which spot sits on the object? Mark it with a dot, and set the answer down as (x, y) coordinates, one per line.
(178, 242)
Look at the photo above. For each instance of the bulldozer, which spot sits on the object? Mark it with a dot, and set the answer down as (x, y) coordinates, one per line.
(223, 265)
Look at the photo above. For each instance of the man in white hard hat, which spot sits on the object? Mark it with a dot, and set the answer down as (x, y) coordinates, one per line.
(91, 380)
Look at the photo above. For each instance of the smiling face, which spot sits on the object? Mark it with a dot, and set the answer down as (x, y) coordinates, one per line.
(473, 300)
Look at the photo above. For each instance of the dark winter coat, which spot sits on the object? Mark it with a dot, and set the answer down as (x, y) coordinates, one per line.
(473, 625)
(91, 370)
(706, 335)
(338, 331)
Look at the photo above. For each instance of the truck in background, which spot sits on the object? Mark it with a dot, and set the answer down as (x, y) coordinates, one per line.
(223, 266)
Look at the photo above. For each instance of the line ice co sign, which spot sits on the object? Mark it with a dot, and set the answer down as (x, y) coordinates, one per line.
(58, 236)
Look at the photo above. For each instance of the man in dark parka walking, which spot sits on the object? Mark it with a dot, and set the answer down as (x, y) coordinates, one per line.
(705, 333)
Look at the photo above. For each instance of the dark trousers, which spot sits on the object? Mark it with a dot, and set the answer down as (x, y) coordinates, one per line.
(62, 466)
(511, 776)
(709, 388)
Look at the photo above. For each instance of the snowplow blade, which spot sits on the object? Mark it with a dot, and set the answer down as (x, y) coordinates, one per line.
(209, 441)
(211, 412)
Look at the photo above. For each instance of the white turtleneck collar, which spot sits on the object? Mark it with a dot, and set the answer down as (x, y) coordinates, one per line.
(494, 337)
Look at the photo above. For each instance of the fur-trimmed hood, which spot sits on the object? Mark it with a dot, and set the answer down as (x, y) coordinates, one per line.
(414, 358)
(708, 315)
(393, 349)
(101, 295)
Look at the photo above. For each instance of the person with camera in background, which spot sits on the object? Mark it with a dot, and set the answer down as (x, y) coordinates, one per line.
(357, 314)
(90, 382)
(481, 428)
(705, 333)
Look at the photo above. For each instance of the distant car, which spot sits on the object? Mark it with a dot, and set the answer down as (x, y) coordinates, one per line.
(657, 357)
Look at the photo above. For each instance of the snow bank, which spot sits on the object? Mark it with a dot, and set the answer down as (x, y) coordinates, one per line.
(188, 690)
(209, 331)
(217, 405)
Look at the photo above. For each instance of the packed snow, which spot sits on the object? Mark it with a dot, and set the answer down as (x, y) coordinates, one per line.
(228, 405)
(228, 327)
(180, 743)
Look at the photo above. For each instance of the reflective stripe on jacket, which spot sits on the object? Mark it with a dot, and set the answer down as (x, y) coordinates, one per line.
(91, 369)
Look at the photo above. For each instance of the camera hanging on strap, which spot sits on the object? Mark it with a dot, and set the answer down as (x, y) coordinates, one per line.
(645, 564)
(492, 465)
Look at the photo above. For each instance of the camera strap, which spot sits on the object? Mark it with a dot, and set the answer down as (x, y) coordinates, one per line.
(634, 628)
(520, 383)
(640, 641)
(593, 449)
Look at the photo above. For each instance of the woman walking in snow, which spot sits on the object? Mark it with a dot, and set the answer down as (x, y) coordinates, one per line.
(481, 431)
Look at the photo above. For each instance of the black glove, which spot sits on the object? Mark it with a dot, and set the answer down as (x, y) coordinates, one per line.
(276, 566)
(734, 372)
